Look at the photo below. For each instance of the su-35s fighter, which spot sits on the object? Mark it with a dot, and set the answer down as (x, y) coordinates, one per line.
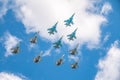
(53, 30)
(58, 44)
(72, 36)
(69, 21)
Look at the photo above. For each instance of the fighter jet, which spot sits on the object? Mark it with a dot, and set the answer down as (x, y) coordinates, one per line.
(52, 30)
(15, 50)
(58, 43)
(38, 58)
(74, 51)
(74, 65)
(69, 21)
(34, 39)
(72, 35)
(60, 61)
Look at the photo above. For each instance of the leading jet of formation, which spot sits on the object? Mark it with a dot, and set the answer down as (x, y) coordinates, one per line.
(74, 51)
(69, 21)
(34, 39)
(72, 36)
(53, 30)
(16, 49)
(58, 44)
(38, 58)
(60, 61)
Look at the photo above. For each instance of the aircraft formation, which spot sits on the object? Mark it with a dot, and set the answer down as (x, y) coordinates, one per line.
(56, 45)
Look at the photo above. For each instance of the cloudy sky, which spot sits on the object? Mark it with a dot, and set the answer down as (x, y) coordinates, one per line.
(97, 34)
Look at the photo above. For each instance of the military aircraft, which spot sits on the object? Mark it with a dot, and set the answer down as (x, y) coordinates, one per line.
(15, 50)
(72, 35)
(69, 21)
(74, 65)
(38, 58)
(34, 39)
(52, 30)
(60, 61)
(74, 51)
(58, 43)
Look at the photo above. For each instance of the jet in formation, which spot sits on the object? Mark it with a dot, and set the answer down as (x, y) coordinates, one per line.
(69, 21)
(58, 44)
(74, 65)
(74, 51)
(60, 61)
(38, 58)
(34, 39)
(53, 30)
(15, 50)
(72, 35)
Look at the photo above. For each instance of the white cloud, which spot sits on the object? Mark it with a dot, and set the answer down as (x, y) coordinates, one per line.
(106, 8)
(11, 76)
(75, 58)
(42, 14)
(10, 42)
(47, 52)
(106, 38)
(3, 7)
(109, 66)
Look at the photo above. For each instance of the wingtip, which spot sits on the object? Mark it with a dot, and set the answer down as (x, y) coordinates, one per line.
(57, 22)
(73, 14)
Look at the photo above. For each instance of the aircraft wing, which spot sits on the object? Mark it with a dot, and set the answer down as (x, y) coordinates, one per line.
(65, 20)
(70, 38)
(69, 35)
(50, 32)
(70, 51)
(72, 22)
(56, 46)
(61, 45)
(75, 37)
(55, 43)
(55, 30)
(49, 29)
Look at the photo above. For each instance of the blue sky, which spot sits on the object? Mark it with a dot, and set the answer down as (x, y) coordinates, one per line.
(98, 35)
